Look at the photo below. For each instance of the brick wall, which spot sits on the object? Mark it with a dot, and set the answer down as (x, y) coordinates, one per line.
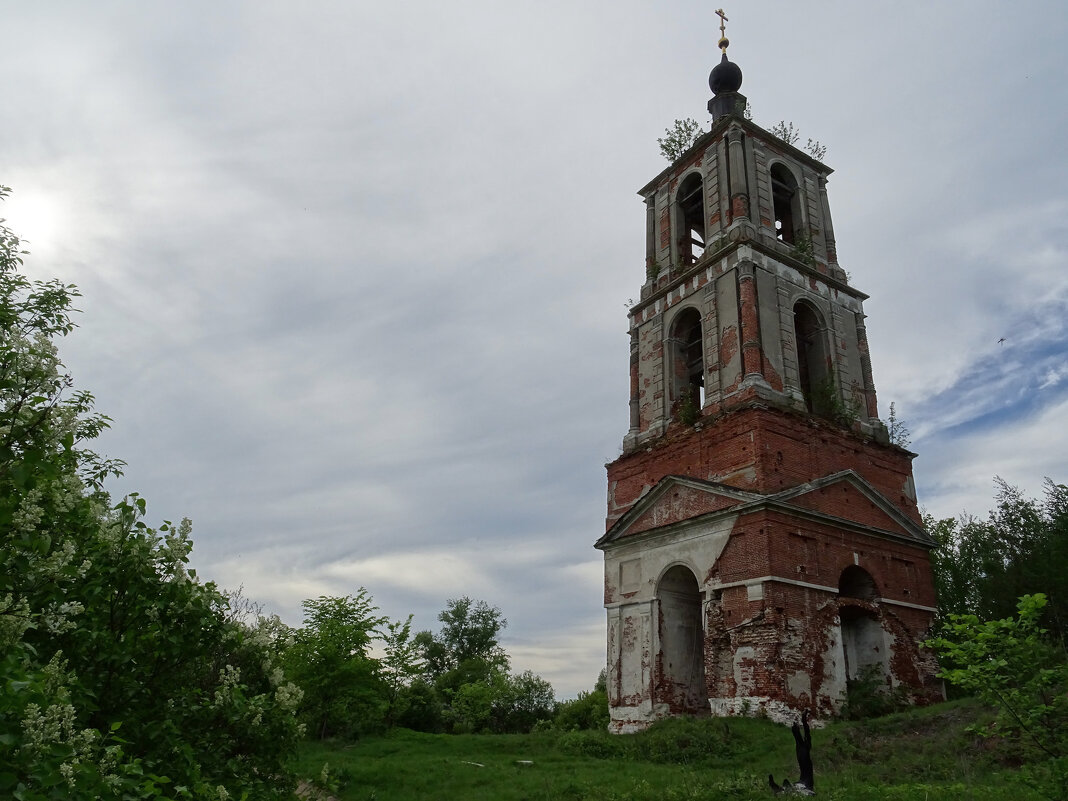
(765, 450)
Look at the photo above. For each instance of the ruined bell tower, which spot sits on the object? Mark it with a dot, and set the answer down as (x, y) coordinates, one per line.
(763, 544)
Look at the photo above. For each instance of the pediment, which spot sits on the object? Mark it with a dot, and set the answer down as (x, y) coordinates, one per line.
(675, 499)
(847, 496)
(844, 497)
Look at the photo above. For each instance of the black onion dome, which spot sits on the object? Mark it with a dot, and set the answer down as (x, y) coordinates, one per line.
(725, 77)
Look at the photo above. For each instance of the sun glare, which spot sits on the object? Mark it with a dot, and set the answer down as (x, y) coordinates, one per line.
(36, 218)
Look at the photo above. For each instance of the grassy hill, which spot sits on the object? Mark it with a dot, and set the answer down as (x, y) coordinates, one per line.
(922, 755)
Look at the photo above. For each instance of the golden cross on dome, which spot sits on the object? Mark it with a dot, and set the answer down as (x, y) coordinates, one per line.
(723, 40)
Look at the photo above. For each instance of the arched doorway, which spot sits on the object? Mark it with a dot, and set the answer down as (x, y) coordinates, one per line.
(681, 662)
(863, 637)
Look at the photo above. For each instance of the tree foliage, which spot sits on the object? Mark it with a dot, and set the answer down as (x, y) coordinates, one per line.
(1011, 664)
(680, 137)
(344, 691)
(982, 567)
(467, 647)
(786, 132)
(523, 700)
(401, 664)
(362, 673)
(466, 685)
(589, 710)
(1003, 606)
(897, 429)
(122, 676)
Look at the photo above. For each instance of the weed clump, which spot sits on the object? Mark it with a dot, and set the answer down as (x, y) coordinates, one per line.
(595, 744)
(868, 696)
(684, 741)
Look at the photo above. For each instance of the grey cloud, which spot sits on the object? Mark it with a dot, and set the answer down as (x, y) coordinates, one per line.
(355, 276)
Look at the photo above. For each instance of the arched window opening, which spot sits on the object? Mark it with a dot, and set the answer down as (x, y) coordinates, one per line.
(813, 359)
(856, 582)
(687, 362)
(786, 204)
(864, 641)
(691, 217)
(682, 642)
(864, 644)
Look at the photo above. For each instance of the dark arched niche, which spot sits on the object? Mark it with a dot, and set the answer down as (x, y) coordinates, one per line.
(813, 358)
(690, 202)
(863, 638)
(856, 582)
(786, 203)
(687, 361)
(681, 683)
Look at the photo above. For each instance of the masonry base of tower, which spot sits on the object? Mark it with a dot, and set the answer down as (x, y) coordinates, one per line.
(758, 566)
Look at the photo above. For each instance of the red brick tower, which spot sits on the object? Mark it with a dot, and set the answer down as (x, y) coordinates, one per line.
(763, 543)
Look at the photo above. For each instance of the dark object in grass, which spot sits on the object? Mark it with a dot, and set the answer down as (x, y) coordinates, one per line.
(805, 785)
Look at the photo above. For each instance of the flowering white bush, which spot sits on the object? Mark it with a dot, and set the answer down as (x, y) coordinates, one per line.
(123, 675)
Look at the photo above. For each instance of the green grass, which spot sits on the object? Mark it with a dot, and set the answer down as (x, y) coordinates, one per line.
(922, 754)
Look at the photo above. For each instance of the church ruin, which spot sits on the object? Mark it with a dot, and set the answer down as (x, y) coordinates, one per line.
(763, 542)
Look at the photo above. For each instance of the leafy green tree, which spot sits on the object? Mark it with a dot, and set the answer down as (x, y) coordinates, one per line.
(344, 691)
(470, 707)
(1011, 664)
(680, 137)
(401, 663)
(522, 700)
(468, 670)
(501, 703)
(467, 648)
(588, 711)
(982, 567)
(419, 707)
(121, 675)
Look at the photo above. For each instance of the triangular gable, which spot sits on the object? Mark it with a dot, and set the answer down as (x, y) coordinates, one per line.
(674, 499)
(848, 496)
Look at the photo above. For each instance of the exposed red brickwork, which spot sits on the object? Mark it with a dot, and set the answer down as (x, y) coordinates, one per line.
(785, 648)
(901, 570)
(682, 503)
(750, 322)
(871, 404)
(773, 378)
(739, 207)
(728, 344)
(766, 450)
(846, 501)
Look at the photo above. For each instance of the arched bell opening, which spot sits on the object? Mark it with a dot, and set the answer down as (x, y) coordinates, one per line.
(690, 202)
(687, 364)
(815, 376)
(786, 204)
(681, 660)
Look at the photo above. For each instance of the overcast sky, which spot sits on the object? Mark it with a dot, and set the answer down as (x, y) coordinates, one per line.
(354, 273)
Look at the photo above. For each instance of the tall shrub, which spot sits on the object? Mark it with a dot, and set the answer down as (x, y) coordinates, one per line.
(121, 676)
